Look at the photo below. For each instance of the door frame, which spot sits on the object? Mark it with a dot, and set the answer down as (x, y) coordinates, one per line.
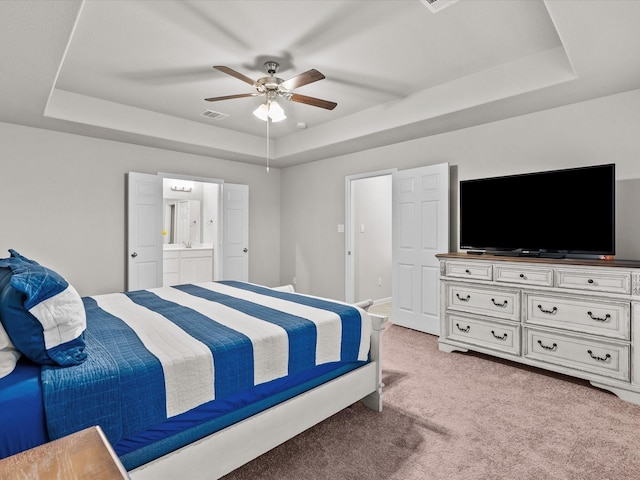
(349, 281)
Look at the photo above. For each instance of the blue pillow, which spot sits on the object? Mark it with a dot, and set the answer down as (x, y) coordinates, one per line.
(42, 313)
(5, 277)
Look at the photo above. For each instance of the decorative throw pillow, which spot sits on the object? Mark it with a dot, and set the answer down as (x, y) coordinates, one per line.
(42, 313)
(9, 355)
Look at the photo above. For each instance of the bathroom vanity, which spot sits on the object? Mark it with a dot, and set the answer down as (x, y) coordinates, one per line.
(182, 264)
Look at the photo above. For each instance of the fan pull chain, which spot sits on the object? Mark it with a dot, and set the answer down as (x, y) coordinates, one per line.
(268, 123)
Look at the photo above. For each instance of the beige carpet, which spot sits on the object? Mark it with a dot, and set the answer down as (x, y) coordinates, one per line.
(464, 416)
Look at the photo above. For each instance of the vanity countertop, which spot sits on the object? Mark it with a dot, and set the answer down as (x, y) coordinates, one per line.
(178, 246)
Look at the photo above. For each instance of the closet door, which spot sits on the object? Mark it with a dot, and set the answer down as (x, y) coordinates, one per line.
(420, 230)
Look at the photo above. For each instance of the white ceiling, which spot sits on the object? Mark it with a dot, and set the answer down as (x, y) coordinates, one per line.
(138, 70)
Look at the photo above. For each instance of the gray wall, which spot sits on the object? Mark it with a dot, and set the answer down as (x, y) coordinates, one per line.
(62, 199)
(62, 203)
(599, 131)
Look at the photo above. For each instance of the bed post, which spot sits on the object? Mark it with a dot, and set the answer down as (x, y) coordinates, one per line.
(374, 400)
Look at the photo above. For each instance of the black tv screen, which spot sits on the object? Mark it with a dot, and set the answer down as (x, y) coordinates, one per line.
(569, 211)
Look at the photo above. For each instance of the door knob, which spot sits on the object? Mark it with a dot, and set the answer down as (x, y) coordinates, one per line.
(134, 255)
(245, 250)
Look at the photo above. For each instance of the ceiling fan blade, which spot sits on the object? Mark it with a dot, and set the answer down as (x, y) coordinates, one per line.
(229, 97)
(238, 75)
(305, 78)
(316, 102)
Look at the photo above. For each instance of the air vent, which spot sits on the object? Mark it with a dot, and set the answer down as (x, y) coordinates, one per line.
(437, 5)
(214, 115)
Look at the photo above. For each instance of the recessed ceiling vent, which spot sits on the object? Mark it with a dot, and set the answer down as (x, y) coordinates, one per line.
(437, 5)
(214, 115)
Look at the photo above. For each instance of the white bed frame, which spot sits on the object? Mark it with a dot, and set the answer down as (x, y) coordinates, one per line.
(224, 451)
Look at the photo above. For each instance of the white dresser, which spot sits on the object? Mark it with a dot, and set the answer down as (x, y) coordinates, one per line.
(571, 316)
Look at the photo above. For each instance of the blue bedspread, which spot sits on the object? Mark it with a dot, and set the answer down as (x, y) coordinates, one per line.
(21, 412)
(154, 354)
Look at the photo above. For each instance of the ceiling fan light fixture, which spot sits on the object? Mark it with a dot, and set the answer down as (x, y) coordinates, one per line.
(270, 110)
(276, 112)
(261, 112)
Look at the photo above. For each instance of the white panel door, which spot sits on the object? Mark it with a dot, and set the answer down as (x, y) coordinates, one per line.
(420, 230)
(235, 225)
(144, 231)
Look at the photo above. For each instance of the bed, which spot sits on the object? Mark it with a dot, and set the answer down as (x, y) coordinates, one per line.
(211, 374)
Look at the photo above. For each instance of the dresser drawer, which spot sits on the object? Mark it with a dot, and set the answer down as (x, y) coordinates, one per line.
(594, 280)
(526, 275)
(598, 317)
(584, 353)
(472, 270)
(503, 336)
(498, 302)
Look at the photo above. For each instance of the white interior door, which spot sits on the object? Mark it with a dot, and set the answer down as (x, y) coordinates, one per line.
(420, 230)
(235, 226)
(144, 231)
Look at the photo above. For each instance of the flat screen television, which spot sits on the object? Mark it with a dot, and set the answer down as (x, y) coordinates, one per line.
(553, 213)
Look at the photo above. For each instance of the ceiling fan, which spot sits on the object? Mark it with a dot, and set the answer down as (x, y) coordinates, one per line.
(273, 87)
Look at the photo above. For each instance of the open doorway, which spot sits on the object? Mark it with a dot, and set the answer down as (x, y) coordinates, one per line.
(419, 202)
(368, 237)
(190, 230)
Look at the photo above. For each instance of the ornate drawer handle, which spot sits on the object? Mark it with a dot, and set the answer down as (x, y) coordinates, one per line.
(463, 299)
(599, 319)
(503, 305)
(464, 330)
(553, 311)
(498, 337)
(600, 359)
(553, 347)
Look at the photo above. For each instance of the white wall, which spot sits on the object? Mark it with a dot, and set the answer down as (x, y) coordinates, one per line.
(599, 131)
(62, 203)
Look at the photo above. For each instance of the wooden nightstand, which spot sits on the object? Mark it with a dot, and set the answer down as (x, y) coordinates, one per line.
(83, 455)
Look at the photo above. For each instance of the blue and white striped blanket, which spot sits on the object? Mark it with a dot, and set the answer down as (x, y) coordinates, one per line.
(154, 354)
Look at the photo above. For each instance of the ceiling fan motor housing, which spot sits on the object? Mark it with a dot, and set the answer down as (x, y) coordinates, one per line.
(271, 67)
(270, 83)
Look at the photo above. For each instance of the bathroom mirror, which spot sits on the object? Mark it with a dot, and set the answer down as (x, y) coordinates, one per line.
(190, 212)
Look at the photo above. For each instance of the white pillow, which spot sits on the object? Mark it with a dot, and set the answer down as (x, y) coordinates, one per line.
(8, 354)
(284, 288)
